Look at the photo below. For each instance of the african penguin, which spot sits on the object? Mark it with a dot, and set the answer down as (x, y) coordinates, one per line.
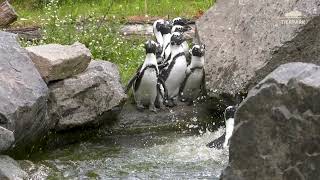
(166, 34)
(193, 85)
(145, 83)
(223, 141)
(182, 29)
(174, 74)
(156, 30)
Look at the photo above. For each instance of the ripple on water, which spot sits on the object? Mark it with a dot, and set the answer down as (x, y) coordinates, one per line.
(151, 156)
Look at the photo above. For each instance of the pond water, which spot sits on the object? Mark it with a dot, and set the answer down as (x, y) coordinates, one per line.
(144, 156)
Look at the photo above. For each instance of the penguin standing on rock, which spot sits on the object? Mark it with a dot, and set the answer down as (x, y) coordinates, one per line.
(223, 141)
(194, 84)
(174, 72)
(156, 30)
(182, 29)
(166, 34)
(145, 83)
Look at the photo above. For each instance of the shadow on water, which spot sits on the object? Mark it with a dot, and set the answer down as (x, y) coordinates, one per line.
(142, 156)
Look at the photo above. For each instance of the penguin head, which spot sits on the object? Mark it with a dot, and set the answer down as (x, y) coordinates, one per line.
(165, 28)
(179, 21)
(158, 51)
(151, 47)
(198, 50)
(179, 28)
(177, 38)
(157, 24)
(230, 112)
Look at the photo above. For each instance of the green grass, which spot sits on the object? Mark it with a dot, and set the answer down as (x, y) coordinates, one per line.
(33, 9)
(96, 23)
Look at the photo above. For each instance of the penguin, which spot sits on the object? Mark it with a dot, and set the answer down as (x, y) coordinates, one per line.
(156, 30)
(185, 45)
(145, 83)
(179, 21)
(223, 141)
(174, 72)
(166, 34)
(193, 85)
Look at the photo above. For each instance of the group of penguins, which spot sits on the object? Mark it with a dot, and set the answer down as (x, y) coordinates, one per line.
(171, 71)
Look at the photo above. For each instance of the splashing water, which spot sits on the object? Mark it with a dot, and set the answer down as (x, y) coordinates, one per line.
(148, 156)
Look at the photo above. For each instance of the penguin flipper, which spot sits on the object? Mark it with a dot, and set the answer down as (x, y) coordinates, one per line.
(133, 79)
(217, 143)
(166, 96)
(203, 83)
(130, 83)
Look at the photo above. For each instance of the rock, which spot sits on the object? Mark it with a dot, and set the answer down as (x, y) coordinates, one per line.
(6, 139)
(23, 94)
(7, 14)
(89, 98)
(10, 169)
(56, 62)
(248, 39)
(198, 117)
(277, 127)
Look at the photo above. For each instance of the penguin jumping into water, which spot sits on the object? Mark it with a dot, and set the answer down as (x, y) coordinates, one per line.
(193, 85)
(173, 73)
(146, 83)
(223, 141)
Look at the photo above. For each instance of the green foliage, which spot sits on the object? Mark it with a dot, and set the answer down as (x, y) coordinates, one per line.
(96, 24)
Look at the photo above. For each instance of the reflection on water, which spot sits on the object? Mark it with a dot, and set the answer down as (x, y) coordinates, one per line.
(148, 156)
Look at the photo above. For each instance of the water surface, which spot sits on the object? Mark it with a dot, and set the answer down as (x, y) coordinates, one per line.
(144, 156)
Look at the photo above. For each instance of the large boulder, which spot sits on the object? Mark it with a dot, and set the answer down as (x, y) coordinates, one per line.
(248, 39)
(277, 127)
(10, 169)
(23, 93)
(56, 62)
(89, 98)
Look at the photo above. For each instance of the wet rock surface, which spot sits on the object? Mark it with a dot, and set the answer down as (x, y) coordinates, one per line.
(198, 117)
(248, 39)
(10, 169)
(277, 127)
(89, 98)
(23, 94)
(57, 62)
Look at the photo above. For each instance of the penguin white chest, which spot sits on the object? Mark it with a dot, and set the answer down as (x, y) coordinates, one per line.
(176, 76)
(229, 131)
(147, 91)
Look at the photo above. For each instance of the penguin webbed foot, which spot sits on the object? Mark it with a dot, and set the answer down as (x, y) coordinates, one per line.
(140, 107)
(153, 109)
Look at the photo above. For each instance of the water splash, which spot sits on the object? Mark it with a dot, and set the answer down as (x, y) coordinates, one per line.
(151, 156)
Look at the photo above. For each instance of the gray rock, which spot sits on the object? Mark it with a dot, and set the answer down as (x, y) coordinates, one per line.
(248, 39)
(23, 93)
(6, 139)
(10, 169)
(89, 98)
(56, 62)
(277, 127)
(195, 117)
